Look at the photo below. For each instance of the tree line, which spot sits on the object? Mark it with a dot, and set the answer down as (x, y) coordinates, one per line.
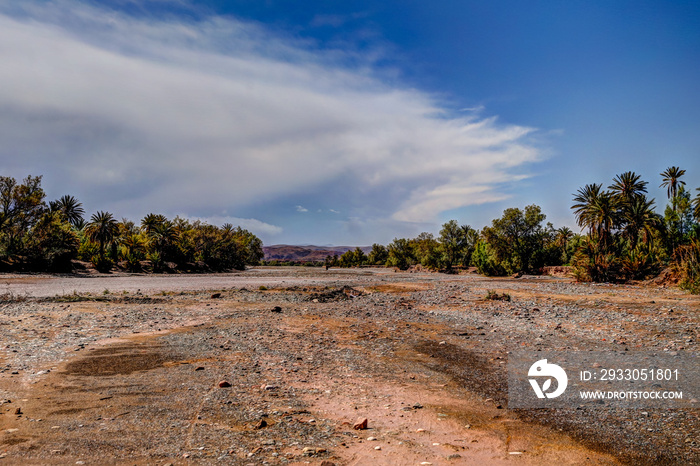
(36, 235)
(622, 238)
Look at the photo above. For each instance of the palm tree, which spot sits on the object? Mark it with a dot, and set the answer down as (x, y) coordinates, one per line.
(639, 221)
(585, 198)
(598, 211)
(102, 229)
(627, 186)
(671, 179)
(150, 221)
(696, 206)
(161, 237)
(562, 236)
(69, 208)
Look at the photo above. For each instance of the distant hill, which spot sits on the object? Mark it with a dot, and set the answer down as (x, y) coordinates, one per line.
(285, 252)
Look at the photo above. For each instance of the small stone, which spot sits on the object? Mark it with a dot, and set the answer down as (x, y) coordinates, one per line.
(216, 296)
(420, 430)
(261, 425)
(18, 411)
(269, 387)
(224, 384)
(360, 424)
(200, 368)
(308, 451)
(377, 448)
(277, 309)
(327, 463)
(454, 456)
(371, 439)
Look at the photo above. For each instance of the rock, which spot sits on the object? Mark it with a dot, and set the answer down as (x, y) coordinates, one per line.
(260, 425)
(277, 309)
(371, 439)
(224, 384)
(216, 296)
(308, 451)
(360, 424)
(18, 411)
(199, 368)
(269, 387)
(327, 463)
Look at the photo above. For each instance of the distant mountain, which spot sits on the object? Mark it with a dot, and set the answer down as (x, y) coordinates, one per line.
(285, 252)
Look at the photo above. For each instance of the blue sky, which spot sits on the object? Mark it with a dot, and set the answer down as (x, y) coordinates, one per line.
(328, 122)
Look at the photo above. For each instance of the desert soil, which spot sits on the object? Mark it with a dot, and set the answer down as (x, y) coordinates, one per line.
(126, 369)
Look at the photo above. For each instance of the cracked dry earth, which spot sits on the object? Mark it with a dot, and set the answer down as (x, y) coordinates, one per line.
(126, 369)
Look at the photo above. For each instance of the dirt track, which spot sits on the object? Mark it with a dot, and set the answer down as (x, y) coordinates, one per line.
(130, 373)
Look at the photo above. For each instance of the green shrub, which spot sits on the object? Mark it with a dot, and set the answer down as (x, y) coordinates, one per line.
(689, 266)
(485, 261)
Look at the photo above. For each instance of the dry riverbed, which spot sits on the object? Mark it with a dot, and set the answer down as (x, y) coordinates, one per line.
(129, 369)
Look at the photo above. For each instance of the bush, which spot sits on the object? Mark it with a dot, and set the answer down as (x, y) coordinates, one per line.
(485, 261)
(493, 296)
(101, 263)
(689, 266)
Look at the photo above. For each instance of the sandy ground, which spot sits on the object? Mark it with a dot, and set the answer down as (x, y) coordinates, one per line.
(126, 369)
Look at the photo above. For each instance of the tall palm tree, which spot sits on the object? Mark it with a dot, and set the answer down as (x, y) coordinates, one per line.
(598, 211)
(639, 221)
(696, 206)
(671, 179)
(627, 186)
(102, 229)
(585, 198)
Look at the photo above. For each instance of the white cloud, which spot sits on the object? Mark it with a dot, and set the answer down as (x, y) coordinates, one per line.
(202, 116)
(302, 209)
(258, 227)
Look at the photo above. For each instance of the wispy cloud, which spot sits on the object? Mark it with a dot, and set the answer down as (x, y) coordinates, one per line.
(302, 209)
(215, 114)
(260, 228)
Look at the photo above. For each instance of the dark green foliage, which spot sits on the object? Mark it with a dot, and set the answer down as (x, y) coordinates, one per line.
(485, 260)
(689, 265)
(378, 255)
(102, 230)
(21, 207)
(627, 239)
(400, 254)
(52, 244)
(520, 243)
(69, 209)
(352, 258)
(457, 244)
(34, 236)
